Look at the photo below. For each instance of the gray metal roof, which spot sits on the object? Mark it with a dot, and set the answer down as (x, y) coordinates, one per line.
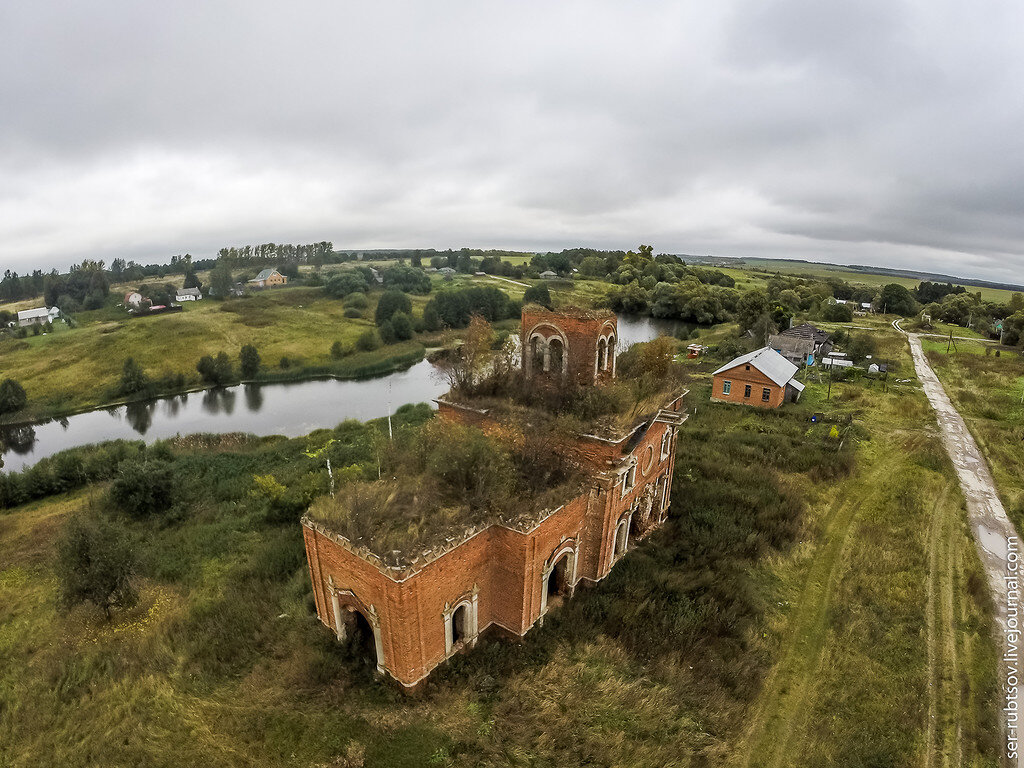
(264, 274)
(27, 314)
(767, 361)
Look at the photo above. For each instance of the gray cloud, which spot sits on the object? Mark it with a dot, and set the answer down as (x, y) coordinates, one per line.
(876, 132)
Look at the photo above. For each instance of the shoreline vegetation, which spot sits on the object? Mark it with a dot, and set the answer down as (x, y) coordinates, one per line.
(368, 365)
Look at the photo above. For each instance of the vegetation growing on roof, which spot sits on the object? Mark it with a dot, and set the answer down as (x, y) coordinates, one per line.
(444, 480)
(646, 380)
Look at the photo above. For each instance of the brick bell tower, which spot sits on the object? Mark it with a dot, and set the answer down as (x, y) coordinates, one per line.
(569, 344)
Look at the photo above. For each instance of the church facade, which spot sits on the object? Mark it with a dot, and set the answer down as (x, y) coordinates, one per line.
(501, 578)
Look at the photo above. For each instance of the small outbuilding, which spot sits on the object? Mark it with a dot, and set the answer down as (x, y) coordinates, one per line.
(763, 378)
(549, 275)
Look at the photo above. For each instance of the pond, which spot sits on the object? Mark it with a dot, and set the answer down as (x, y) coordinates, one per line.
(290, 409)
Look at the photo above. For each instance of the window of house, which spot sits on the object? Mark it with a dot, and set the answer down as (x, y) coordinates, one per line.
(726, 387)
(766, 394)
(746, 391)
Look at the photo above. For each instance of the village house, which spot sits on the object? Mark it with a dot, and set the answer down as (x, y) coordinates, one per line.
(549, 275)
(414, 610)
(133, 299)
(802, 344)
(37, 316)
(188, 294)
(762, 378)
(268, 278)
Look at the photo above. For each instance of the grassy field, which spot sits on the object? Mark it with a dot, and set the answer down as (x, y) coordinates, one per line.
(988, 392)
(879, 627)
(813, 601)
(76, 368)
(802, 269)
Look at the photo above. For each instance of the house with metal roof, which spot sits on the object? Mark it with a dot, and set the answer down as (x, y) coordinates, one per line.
(802, 344)
(762, 378)
(38, 316)
(268, 278)
(188, 294)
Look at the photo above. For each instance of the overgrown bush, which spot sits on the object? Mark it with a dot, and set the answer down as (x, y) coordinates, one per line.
(215, 371)
(345, 282)
(66, 471)
(356, 301)
(368, 341)
(134, 380)
(538, 294)
(12, 396)
(402, 326)
(143, 487)
(390, 303)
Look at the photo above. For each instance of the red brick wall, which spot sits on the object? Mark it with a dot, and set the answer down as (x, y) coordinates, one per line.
(740, 378)
(505, 565)
(581, 332)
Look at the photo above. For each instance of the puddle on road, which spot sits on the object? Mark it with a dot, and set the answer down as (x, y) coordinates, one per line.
(992, 541)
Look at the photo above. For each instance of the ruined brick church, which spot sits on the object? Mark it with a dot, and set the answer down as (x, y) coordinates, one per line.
(502, 577)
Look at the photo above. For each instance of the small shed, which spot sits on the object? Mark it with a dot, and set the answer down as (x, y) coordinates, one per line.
(549, 275)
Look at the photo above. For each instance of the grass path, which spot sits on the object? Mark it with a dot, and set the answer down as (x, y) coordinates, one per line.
(771, 739)
(781, 731)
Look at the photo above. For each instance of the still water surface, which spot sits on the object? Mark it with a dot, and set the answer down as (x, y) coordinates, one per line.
(270, 409)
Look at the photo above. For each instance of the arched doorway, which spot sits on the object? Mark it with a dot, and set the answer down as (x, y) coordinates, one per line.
(360, 643)
(559, 579)
(460, 624)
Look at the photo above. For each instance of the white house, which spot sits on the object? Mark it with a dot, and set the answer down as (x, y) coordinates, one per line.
(38, 316)
(188, 294)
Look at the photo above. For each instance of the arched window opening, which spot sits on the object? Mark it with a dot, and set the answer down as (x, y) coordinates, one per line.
(621, 537)
(602, 354)
(537, 353)
(460, 625)
(557, 356)
(609, 363)
(360, 642)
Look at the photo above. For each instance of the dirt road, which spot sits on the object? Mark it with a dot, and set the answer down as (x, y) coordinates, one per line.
(989, 523)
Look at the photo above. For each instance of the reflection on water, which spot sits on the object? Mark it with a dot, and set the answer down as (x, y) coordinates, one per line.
(253, 396)
(272, 409)
(140, 415)
(217, 401)
(18, 440)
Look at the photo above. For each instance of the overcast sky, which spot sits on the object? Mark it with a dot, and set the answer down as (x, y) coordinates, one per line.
(876, 132)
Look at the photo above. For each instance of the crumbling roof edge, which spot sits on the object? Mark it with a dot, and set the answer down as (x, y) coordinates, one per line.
(408, 571)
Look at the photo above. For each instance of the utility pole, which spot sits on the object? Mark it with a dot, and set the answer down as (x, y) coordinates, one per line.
(391, 434)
